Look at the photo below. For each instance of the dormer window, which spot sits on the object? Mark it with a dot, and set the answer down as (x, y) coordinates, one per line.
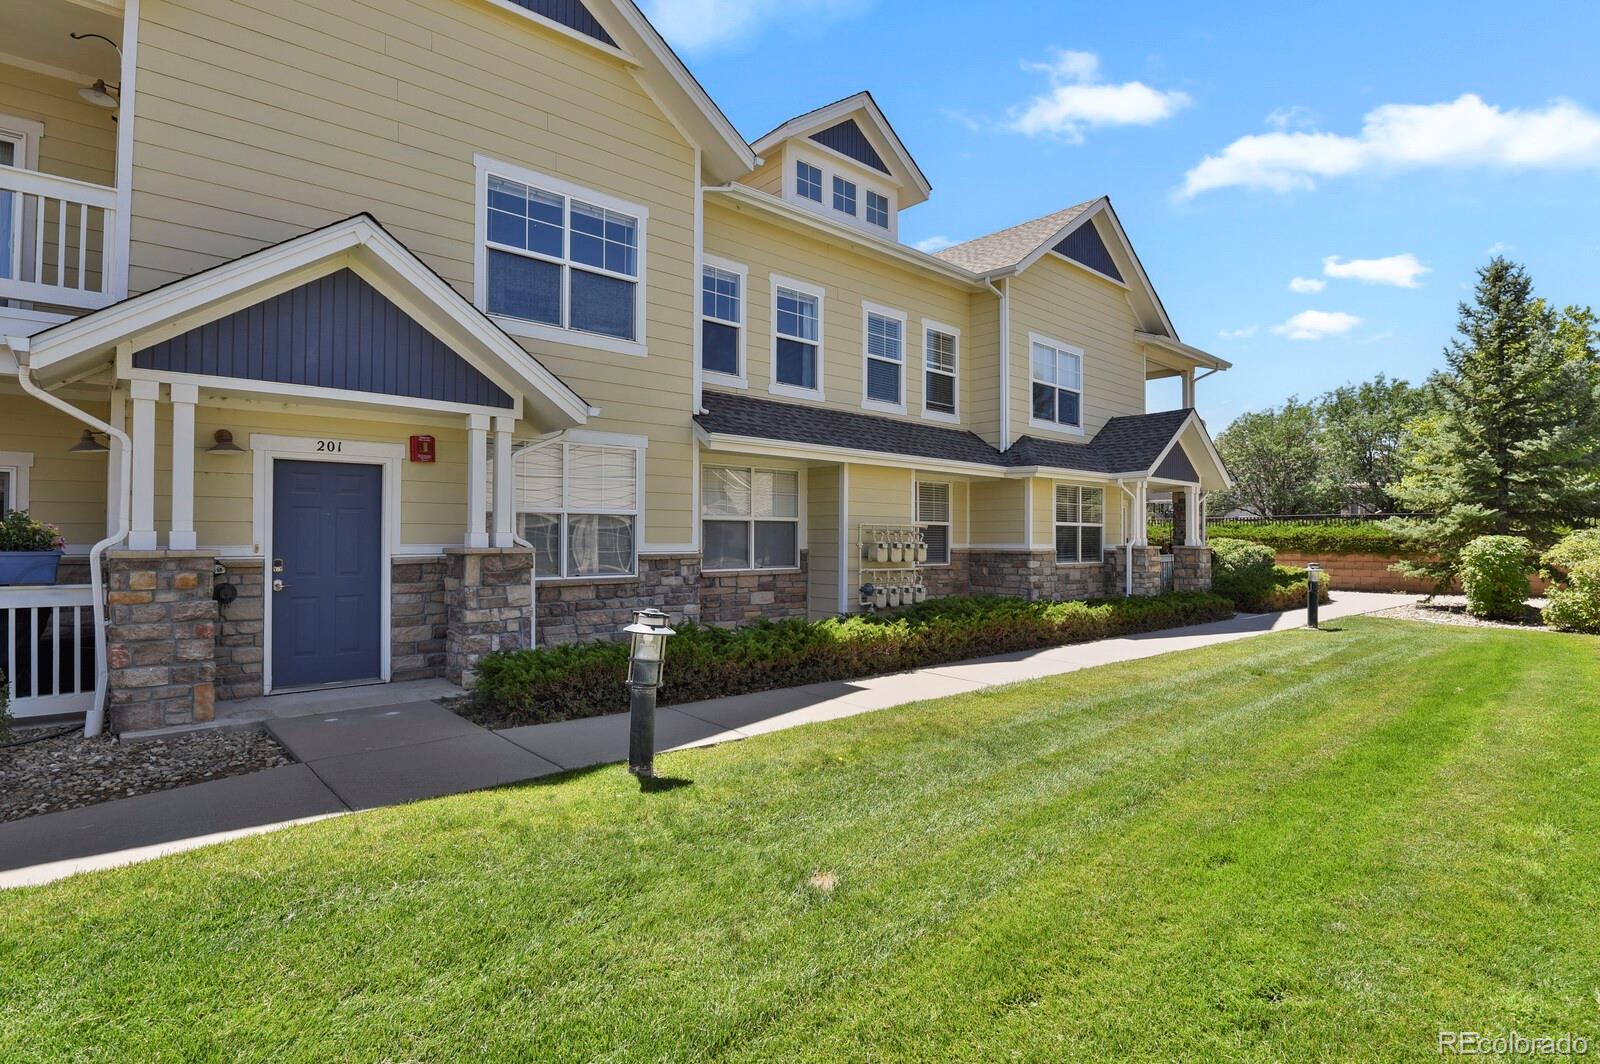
(877, 209)
(808, 181)
(844, 196)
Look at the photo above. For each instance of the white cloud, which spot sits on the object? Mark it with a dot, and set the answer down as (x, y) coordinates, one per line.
(930, 244)
(1499, 247)
(1315, 324)
(1243, 333)
(705, 25)
(1465, 132)
(1402, 271)
(1078, 100)
(1306, 285)
(1295, 117)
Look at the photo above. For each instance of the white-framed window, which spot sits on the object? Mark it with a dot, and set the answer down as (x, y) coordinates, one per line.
(1057, 379)
(558, 261)
(1080, 523)
(750, 518)
(933, 512)
(19, 147)
(796, 338)
(808, 181)
(722, 295)
(941, 352)
(844, 196)
(877, 209)
(15, 467)
(883, 330)
(578, 505)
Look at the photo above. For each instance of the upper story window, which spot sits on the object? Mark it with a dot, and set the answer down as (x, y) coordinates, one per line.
(844, 196)
(877, 209)
(939, 372)
(750, 518)
(808, 181)
(933, 513)
(1080, 523)
(578, 504)
(556, 257)
(722, 318)
(1057, 384)
(797, 338)
(885, 355)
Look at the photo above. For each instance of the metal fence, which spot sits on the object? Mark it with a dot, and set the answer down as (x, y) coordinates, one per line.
(1314, 519)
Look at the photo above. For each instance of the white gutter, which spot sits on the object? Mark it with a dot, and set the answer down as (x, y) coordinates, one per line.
(94, 721)
(1005, 362)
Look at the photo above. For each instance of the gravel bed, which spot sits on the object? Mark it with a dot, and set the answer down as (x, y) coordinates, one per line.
(68, 771)
(1452, 609)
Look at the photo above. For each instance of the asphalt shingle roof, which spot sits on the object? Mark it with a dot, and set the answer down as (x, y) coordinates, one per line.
(1127, 444)
(1002, 250)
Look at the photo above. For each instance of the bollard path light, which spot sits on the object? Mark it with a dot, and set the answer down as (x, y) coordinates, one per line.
(1313, 580)
(649, 632)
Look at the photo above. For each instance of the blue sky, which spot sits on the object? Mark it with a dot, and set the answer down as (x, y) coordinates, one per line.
(1375, 151)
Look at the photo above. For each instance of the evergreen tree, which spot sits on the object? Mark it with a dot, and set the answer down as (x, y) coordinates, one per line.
(1513, 444)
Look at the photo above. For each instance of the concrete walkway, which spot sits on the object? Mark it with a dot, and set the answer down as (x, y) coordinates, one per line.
(375, 755)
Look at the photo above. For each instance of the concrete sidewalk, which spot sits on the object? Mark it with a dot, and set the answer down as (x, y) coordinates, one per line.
(386, 754)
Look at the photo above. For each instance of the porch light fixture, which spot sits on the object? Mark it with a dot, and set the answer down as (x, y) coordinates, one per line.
(88, 443)
(222, 443)
(649, 632)
(100, 94)
(1313, 584)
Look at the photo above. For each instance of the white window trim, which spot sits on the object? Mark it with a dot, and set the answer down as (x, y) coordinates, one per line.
(928, 326)
(587, 438)
(485, 165)
(867, 402)
(19, 464)
(1056, 526)
(866, 209)
(750, 536)
(26, 134)
(742, 378)
(949, 523)
(774, 387)
(836, 164)
(855, 196)
(1083, 389)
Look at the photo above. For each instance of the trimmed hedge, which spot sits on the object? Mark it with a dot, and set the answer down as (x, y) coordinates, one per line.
(1245, 572)
(1372, 537)
(587, 679)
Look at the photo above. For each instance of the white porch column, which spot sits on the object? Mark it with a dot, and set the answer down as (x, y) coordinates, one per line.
(477, 475)
(142, 510)
(1192, 521)
(1188, 388)
(1141, 514)
(116, 490)
(504, 507)
(184, 396)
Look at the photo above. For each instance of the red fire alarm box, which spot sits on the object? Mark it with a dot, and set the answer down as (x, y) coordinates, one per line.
(422, 449)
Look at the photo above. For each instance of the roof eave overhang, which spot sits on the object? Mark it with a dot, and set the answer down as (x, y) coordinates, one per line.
(1193, 354)
(728, 442)
(1193, 420)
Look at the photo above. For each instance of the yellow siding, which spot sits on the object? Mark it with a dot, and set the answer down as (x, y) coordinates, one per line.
(850, 277)
(822, 520)
(1074, 307)
(878, 495)
(997, 512)
(980, 380)
(67, 490)
(768, 177)
(80, 140)
(257, 123)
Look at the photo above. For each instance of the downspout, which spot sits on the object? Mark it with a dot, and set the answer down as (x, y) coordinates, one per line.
(1005, 361)
(1127, 538)
(94, 721)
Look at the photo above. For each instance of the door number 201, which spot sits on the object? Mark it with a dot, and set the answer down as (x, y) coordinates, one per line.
(330, 446)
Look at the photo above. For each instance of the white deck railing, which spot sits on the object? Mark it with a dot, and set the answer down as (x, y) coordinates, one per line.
(56, 245)
(47, 642)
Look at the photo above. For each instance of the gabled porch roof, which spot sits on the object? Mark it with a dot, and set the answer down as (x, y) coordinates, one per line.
(360, 245)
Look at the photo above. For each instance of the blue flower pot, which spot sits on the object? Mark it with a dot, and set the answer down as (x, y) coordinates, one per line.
(28, 566)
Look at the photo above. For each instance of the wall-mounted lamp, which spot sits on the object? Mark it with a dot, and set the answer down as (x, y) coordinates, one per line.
(100, 93)
(88, 443)
(222, 443)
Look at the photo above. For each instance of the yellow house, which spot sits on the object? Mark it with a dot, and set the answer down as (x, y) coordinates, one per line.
(346, 343)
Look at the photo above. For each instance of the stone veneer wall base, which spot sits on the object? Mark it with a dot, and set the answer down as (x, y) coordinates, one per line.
(161, 626)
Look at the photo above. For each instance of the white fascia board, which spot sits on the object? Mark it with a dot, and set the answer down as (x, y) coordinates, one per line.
(1167, 343)
(717, 441)
(910, 175)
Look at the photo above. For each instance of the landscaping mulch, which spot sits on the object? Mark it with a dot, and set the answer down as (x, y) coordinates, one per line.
(69, 771)
(1452, 609)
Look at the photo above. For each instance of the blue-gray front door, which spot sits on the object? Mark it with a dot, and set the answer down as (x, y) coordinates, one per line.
(325, 573)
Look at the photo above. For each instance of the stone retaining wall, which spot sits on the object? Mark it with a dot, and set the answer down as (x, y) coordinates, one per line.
(1370, 572)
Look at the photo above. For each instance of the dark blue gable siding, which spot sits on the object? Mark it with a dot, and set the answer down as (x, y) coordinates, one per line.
(847, 139)
(1084, 245)
(571, 14)
(1176, 466)
(335, 332)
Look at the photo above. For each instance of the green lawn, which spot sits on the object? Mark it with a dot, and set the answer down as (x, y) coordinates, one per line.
(1357, 838)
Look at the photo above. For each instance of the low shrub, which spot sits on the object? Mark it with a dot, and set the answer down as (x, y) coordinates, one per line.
(1288, 591)
(587, 679)
(1494, 575)
(1371, 537)
(1574, 602)
(1242, 571)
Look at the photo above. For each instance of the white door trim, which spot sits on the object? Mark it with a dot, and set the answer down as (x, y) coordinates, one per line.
(389, 456)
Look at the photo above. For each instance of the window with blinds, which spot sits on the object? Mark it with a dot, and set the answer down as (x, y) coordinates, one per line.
(1080, 523)
(885, 353)
(750, 518)
(578, 505)
(933, 510)
(939, 395)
